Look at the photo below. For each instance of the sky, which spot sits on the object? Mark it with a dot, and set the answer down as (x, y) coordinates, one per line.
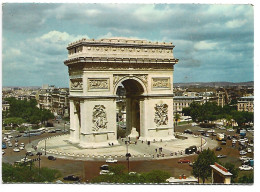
(212, 42)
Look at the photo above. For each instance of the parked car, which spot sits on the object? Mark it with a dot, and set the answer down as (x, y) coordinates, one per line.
(245, 168)
(222, 128)
(242, 152)
(22, 144)
(221, 156)
(10, 145)
(245, 158)
(51, 158)
(4, 145)
(19, 135)
(218, 148)
(3, 152)
(206, 135)
(211, 131)
(71, 178)
(16, 150)
(230, 130)
(184, 161)
(16, 144)
(249, 150)
(250, 144)
(111, 160)
(201, 130)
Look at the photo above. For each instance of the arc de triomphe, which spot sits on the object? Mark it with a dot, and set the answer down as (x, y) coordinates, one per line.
(96, 69)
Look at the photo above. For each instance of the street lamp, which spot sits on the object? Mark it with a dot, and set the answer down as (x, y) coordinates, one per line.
(128, 155)
(39, 156)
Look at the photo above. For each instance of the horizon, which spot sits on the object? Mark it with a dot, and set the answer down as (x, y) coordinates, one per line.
(212, 42)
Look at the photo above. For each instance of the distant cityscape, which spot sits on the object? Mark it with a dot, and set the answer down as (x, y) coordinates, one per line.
(56, 99)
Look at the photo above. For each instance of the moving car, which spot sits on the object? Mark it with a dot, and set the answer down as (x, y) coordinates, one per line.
(249, 150)
(218, 148)
(71, 178)
(51, 158)
(104, 167)
(10, 145)
(245, 168)
(242, 152)
(3, 152)
(184, 161)
(221, 156)
(16, 150)
(111, 160)
(230, 130)
(106, 172)
(211, 131)
(223, 142)
(188, 131)
(21, 148)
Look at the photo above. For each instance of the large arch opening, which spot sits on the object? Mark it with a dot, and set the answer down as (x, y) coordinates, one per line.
(128, 106)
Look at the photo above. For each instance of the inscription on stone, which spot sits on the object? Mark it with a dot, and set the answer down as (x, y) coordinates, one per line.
(161, 114)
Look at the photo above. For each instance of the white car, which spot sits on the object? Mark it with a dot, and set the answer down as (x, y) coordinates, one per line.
(10, 145)
(3, 152)
(25, 160)
(245, 168)
(211, 131)
(5, 138)
(246, 139)
(242, 152)
(222, 128)
(16, 150)
(241, 140)
(245, 158)
(201, 130)
(105, 172)
(22, 144)
(251, 144)
(249, 150)
(230, 130)
(10, 136)
(234, 141)
(21, 148)
(111, 160)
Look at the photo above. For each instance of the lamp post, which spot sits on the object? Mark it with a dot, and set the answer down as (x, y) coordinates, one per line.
(45, 146)
(128, 155)
(39, 155)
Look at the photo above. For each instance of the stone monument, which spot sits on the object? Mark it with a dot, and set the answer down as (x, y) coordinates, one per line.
(96, 69)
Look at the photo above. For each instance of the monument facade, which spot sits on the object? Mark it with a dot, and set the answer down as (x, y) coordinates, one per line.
(96, 69)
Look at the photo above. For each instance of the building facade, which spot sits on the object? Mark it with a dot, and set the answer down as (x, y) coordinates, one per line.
(246, 104)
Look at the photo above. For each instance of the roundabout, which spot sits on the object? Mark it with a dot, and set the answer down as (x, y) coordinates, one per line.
(60, 147)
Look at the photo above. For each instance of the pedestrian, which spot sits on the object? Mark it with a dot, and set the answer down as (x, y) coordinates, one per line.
(112, 144)
(156, 150)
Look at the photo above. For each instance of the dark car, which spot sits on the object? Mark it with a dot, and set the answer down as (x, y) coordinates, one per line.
(218, 148)
(19, 135)
(71, 178)
(223, 143)
(104, 167)
(188, 131)
(51, 158)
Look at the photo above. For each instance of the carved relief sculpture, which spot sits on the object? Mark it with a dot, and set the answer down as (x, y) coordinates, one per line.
(161, 83)
(76, 84)
(99, 118)
(98, 83)
(161, 114)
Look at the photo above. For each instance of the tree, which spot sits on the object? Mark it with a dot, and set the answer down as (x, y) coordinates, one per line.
(232, 169)
(201, 166)
(22, 173)
(246, 179)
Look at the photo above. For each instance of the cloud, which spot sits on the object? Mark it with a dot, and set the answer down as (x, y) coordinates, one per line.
(204, 45)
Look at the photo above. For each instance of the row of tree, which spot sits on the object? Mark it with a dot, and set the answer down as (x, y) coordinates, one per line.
(210, 111)
(21, 111)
